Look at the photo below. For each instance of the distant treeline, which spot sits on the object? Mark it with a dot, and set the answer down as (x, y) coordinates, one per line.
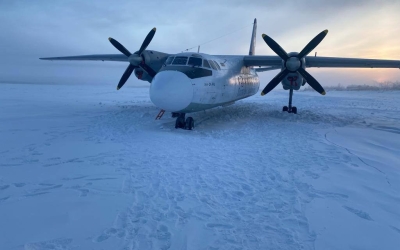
(376, 86)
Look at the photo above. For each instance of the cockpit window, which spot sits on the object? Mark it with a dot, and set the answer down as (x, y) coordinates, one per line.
(212, 65)
(216, 64)
(180, 60)
(169, 60)
(194, 61)
(206, 64)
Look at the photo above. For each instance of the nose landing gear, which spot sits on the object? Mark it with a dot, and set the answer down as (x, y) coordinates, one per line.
(181, 123)
(290, 109)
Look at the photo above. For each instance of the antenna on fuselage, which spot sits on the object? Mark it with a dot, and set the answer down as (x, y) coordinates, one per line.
(198, 49)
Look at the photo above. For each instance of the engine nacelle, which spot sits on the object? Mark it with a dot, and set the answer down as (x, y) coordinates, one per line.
(142, 75)
(293, 80)
(154, 60)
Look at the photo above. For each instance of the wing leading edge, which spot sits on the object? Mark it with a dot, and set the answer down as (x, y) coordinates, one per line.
(98, 57)
(338, 62)
(324, 62)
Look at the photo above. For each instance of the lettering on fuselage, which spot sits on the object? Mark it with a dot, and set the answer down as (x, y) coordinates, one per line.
(209, 84)
(247, 85)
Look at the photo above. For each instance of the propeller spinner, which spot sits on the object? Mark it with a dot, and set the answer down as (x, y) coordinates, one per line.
(294, 63)
(135, 59)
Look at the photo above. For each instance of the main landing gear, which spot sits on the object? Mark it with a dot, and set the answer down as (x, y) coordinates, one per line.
(290, 109)
(181, 123)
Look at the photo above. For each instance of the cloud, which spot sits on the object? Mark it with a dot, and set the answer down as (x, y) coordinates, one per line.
(33, 29)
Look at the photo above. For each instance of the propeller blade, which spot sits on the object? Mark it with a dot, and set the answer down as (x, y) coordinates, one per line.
(125, 76)
(275, 81)
(312, 44)
(147, 40)
(149, 70)
(275, 47)
(311, 81)
(119, 47)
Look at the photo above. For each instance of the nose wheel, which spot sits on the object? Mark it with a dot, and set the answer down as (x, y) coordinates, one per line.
(187, 124)
(290, 109)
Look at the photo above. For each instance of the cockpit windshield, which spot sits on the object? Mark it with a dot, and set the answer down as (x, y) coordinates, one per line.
(206, 64)
(212, 65)
(169, 60)
(195, 61)
(180, 60)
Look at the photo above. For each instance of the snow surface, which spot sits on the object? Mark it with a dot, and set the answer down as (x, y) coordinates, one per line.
(89, 167)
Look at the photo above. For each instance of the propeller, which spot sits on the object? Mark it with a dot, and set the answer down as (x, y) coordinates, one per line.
(294, 63)
(135, 59)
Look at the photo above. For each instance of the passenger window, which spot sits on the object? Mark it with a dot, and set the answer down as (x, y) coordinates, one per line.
(206, 64)
(212, 65)
(216, 64)
(169, 60)
(180, 60)
(193, 61)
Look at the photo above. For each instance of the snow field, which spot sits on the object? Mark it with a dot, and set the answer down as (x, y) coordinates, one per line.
(88, 167)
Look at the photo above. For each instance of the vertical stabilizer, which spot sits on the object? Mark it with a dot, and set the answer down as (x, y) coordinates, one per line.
(253, 38)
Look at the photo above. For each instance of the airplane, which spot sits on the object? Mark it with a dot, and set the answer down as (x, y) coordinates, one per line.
(190, 82)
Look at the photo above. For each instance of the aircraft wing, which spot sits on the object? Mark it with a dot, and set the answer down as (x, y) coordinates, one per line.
(324, 62)
(338, 62)
(268, 68)
(99, 57)
(262, 61)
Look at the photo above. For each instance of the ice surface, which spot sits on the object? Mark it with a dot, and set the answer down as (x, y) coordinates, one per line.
(89, 167)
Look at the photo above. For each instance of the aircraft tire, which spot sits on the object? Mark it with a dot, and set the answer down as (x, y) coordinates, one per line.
(180, 123)
(285, 109)
(189, 125)
(294, 110)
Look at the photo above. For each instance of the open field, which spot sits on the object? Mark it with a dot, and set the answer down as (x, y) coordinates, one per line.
(88, 167)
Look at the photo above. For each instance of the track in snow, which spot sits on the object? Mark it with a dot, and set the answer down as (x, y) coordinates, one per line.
(88, 167)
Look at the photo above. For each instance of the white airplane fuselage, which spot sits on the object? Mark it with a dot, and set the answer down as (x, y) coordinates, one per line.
(185, 87)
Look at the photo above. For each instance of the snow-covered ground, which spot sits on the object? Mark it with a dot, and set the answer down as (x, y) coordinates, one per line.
(89, 167)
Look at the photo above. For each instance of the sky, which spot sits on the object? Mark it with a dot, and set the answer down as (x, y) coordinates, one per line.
(33, 29)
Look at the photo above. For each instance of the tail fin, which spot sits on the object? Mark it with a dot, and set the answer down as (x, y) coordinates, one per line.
(253, 38)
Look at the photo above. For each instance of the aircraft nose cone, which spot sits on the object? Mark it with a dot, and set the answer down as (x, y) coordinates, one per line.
(171, 91)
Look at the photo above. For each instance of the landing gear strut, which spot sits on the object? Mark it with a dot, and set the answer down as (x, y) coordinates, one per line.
(290, 109)
(181, 123)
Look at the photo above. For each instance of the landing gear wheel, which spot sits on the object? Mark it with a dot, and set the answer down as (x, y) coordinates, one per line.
(180, 122)
(189, 123)
(290, 109)
(285, 109)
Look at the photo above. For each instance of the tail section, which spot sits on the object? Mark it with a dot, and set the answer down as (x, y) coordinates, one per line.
(253, 39)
